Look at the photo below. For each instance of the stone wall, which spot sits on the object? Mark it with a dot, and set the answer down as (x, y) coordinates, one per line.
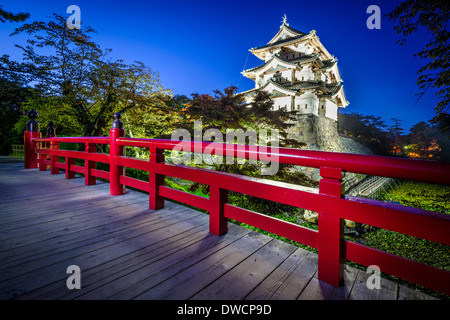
(320, 133)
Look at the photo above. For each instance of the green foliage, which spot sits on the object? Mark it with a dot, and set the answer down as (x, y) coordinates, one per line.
(417, 195)
(49, 109)
(13, 95)
(263, 206)
(68, 67)
(423, 196)
(424, 251)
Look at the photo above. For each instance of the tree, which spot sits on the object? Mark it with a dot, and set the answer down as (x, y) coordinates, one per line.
(422, 141)
(12, 95)
(11, 17)
(75, 71)
(227, 111)
(432, 16)
(369, 130)
(442, 123)
(158, 121)
(396, 131)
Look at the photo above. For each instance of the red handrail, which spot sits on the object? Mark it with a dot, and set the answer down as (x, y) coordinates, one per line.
(329, 200)
(409, 169)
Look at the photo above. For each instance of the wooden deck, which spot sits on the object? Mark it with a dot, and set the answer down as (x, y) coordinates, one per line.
(126, 251)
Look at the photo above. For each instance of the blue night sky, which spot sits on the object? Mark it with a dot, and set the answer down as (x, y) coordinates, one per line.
(200, 46)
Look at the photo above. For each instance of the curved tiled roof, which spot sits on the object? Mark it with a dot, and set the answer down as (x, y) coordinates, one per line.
(296, 62)
(330, 89)
(282, 41)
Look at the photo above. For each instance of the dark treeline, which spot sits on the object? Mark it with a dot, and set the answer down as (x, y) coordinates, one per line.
(424, 140)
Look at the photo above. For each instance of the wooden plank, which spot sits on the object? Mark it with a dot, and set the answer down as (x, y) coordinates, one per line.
(405, 293)
(320, 290)
(241, 280)
(289, 279)
(141, 224)
(112, 269)
(361, 291)
(38, 273)
(195, 277)
(43, 246)
(80, 201)
(141, 280)
(67, 219)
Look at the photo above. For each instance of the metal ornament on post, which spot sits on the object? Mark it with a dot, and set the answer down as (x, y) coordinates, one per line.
(51, 130)
(115, 171)
(33, 124)
(31, 133)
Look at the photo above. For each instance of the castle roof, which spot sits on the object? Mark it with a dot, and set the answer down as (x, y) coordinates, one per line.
(326, 89)
(309, 53)
(297, 62)
(293, 62)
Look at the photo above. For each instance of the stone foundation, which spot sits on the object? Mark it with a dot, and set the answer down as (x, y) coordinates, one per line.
(320, 133)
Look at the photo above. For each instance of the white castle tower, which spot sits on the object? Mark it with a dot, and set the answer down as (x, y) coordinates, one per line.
(299, 73)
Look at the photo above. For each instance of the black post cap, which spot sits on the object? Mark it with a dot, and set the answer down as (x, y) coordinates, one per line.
(32, 124)
(117, 124)
(51, 128)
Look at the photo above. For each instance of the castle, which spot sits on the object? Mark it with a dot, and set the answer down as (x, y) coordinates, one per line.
(301, 76)
(299, 73)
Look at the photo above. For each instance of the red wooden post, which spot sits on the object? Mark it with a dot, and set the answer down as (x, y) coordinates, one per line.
(155, 180)
(217, 220)
(53, 159)
(115, 150)
(331, 230)
(89, 179)
(69, 173)
(46, 145)
(42, 158)
(32, 132)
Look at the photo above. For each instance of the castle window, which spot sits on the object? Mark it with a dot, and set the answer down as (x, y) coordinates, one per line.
(306, 106)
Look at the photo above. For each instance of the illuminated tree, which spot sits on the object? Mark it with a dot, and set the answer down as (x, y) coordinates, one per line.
(67, 65)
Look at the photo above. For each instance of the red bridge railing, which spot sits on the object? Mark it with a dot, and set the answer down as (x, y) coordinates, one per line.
(329, 200)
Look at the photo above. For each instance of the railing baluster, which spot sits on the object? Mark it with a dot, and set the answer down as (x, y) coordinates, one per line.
(89, 179)
(53, 159)
(115, 171)
(30, 156)
(69, 173)
(218, 197)
(331, 230)
(155, 180)
(42, 157)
